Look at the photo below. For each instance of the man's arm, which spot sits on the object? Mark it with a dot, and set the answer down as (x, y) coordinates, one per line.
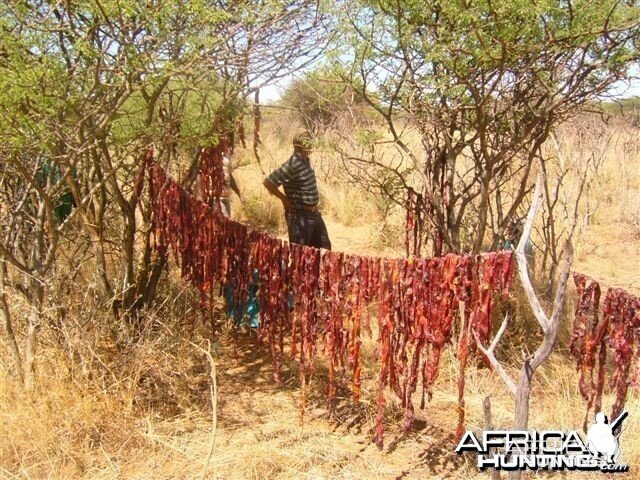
(275, 191)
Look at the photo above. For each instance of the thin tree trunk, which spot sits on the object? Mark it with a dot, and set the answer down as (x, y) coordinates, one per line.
(102, 280)
(151, 267)
(482, 217)
(523, 394)
(36, 294)
(35, 321)
(550, 325)
(97, 238)
(5, 314)
(150, 290)
(488, 425)
(128, 261)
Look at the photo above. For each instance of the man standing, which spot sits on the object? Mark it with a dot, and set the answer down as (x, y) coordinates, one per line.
(229, 185)
(300, 197)
(234, 308)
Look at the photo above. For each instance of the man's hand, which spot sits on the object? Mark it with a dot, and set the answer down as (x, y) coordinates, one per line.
(287, 204)
(273, 190)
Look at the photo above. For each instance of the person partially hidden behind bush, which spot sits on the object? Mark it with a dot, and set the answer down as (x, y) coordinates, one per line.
(300, 198)
(64, 203)
(235, 309)
(513, 234)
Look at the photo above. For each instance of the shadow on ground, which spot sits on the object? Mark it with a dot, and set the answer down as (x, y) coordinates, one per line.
(245, 379)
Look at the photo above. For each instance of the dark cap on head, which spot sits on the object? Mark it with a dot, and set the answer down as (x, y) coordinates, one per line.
(302, 140)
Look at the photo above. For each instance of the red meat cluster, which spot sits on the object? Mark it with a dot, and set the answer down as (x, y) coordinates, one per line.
(615, 330)
(320, 301)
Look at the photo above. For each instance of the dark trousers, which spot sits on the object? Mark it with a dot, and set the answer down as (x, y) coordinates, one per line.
(307, 228)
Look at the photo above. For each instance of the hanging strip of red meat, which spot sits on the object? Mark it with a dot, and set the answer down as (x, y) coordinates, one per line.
(620, 311)
(617, 329)
(330, 294)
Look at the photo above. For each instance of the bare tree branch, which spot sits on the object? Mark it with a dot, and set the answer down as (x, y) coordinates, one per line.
(490, 354)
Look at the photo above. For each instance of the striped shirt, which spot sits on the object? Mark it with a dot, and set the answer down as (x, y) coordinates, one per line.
(298, 179)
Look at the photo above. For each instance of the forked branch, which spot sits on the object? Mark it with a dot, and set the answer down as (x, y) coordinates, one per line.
(538, 198)
(491, 356)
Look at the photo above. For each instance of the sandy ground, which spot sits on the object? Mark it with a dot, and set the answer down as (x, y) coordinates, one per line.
(260, 433)
(611, 255)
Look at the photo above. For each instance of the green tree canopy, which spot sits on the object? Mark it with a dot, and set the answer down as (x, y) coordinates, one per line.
(87, 88)
(484, 83)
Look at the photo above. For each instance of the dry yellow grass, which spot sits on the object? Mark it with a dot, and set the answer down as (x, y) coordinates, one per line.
(608, 247)
(148, 415)
(70, 432)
